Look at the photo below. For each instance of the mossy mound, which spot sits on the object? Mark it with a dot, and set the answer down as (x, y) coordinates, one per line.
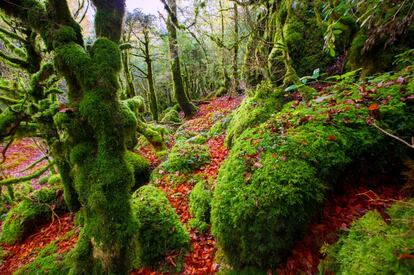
(371, 246)
(171, 116)
(200, 206)
(159, 228)
(275, 177)
(48, 261)
(22, 219)
(186, 157)
(141, 168)
(255, 109)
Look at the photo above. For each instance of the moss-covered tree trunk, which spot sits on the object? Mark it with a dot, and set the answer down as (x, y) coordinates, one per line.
(150, 76)
(178, 85)
(130, 89)
(96, 126)
(226, 78)
(236, 82)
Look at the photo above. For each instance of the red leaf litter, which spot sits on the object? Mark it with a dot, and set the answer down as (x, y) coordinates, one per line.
(23, 253)
(338, 214)
(20, 154)
(208, 113)
(200, 260)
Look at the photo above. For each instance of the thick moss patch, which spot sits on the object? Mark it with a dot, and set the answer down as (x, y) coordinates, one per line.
(371, 246)
(277, 172)
(159, 228)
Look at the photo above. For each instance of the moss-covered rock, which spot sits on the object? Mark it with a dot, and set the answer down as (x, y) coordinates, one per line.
(255, 109)
(22, 219)
(276, 174)
(200, 206)
(171, 116)
(371, 246)
(141, 168)
(159, 228)
(186, 157)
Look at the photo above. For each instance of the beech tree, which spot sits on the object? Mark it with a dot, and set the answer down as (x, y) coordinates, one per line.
(87, 138)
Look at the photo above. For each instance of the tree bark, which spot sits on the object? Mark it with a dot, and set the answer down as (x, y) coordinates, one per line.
(97, 128)
(178, 86)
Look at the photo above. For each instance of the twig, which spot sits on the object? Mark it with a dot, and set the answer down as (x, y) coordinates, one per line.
(395, 137)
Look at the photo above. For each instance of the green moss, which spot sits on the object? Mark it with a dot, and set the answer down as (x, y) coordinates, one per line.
(141, 168)
(198, 139)
(371, 246)
(200, 205)
(159, 231)
(48, 261)
(276, 174)
(171, 116)
(54, 180)
(186, 157)
(29, 213)
(255, 109)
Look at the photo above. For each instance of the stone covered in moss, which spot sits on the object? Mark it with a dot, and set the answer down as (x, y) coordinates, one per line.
(141, 168)
(159, 229)
(255, 109)
(276, 174)
(371, 246)
(171, 116)
(200, 205)
(29, 213)
(186, 157)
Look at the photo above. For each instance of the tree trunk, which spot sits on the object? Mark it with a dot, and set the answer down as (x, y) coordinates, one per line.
(150, 77)
(178, 86)
(236, 83)
(97, 127)
(226, 78)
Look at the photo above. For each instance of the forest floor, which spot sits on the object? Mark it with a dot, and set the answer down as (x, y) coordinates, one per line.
(339, 211)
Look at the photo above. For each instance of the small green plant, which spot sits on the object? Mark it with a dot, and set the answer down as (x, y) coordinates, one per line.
(159, 229)
(200, 206)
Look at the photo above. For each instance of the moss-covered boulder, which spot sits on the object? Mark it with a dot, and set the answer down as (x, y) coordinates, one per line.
(31, 212)
(171, 116)
(255, 109)
(159, 228)
(186, 157)
(276, 175)
(200, 206)
(371, 246)
(141, 168)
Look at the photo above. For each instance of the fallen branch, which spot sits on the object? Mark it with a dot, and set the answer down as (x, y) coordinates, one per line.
(10, 181)
(395, 137)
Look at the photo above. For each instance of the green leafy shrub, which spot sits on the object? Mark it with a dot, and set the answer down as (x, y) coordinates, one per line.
(371, 246)
(200, 205)
(159, 228)
(276, 174)
(186, 157)
(30, 212)
(48, 261)
(141, 168)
